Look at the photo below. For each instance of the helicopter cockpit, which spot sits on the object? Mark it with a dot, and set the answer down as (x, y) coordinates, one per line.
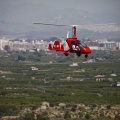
(77, 44)
(80, 43)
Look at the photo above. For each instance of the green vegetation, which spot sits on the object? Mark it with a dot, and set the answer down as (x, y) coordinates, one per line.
(21, 87)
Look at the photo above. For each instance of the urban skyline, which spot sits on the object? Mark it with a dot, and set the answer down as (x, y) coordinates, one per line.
(25, 45)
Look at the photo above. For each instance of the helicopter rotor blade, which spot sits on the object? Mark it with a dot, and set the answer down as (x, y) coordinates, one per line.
(56, 24)
(77, 26)
(105, 24)
(51, 24)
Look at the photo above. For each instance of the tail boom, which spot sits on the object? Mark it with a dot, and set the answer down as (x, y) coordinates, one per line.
(58, 47)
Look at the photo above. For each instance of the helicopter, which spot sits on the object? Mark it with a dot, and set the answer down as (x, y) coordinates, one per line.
(71, 45)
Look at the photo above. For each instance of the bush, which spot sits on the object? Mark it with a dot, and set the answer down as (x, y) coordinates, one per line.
(28, 116)
(8, 110)
(43, 116)
(80, 114)
(67, 115)
(108, 106)
(87, 116)
(73, 109)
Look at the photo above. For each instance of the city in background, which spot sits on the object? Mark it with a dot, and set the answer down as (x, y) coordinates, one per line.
(24, 44)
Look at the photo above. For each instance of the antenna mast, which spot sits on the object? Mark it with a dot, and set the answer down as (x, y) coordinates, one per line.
(74, 31)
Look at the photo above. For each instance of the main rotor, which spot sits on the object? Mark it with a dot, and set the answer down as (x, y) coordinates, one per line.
(73, 27)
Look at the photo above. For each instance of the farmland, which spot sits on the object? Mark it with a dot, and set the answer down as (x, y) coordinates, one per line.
(55, 81)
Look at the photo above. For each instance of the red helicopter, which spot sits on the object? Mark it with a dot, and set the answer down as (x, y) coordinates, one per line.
(70, 45)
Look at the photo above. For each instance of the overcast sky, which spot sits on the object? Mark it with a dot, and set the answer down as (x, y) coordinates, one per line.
(26, 12)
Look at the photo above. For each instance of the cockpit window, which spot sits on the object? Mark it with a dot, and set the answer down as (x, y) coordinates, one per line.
(82, 44)
(73, 42)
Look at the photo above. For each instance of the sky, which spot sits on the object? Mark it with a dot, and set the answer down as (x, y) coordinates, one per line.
(19, 15)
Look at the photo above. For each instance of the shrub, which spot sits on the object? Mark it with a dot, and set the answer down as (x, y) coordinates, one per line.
(67, 115)
(28, 116)
(87, 116)
(43, 116)
(73, 109)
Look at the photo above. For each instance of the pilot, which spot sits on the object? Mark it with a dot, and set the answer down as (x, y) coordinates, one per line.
(74, 46)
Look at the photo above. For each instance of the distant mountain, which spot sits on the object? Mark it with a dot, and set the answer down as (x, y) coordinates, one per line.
(51, 13)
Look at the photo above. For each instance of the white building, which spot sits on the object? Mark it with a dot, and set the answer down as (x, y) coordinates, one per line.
(74, 64)
(41, 45)
(107, 45)
(93, 45)
(118, 84)
(118, 45)
(3, 43)
(19, 46)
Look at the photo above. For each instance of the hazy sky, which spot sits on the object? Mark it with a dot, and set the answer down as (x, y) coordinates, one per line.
(26, 12)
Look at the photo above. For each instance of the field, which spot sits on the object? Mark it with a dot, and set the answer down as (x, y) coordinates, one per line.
(55, 81)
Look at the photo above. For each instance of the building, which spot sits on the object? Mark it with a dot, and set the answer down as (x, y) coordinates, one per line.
(102, 45)
(62, 104)
(110, 79)
(47, 104)
(100, 77)
(69, 78)
(118, 84)
(113, 75)
(105, 45)
(21, 46)
(89, 61)
(74, 64)
(41, 45)
(118, 45)
(3, 43)
(93, 45)
(34, 68)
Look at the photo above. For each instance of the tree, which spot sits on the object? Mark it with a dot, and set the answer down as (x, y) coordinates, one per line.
(67, 115)
(8, 110)
(20, 57)
(80, 114)
(117, 117)
(73, 109)
(28, 116)
(87, 116)
(43, 116)
(108, 106)
(7, 48)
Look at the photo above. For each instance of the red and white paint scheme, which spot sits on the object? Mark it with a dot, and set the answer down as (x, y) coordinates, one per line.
(71, 45)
